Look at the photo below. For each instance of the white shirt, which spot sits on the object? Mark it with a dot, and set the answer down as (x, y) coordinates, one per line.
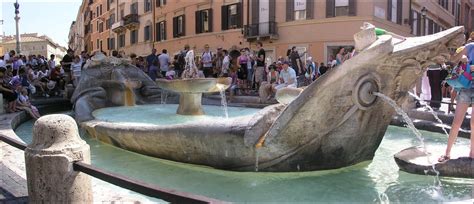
(76, 69)
(42, 74)
(22, 98)
(6, 57)
(289, 75)
(207, 59)
(3, 63)
(52, 64)
(164, 62)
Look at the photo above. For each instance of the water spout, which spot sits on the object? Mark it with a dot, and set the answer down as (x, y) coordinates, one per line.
(430, 109)
(417, 133)
(129, 96)
(257, 154)
(164, 96)
(221, 88)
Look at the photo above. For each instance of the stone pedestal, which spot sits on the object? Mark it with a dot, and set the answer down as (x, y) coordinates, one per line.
(190, 104)
(49, 162)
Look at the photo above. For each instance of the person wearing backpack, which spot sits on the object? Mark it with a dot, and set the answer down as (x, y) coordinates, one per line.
(206, 62)
(464, 99)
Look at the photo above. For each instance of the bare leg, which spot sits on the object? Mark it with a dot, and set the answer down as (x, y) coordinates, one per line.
(471, 154)
(458, 118)
(453, 96)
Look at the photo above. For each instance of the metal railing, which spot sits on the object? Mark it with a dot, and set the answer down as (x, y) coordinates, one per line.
(267, 29)
(131, 19)
(165, 194)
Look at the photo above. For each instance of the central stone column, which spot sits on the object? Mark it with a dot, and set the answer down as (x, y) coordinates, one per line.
(190, 104)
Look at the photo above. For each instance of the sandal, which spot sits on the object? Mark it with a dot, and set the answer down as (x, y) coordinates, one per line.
(443, 159)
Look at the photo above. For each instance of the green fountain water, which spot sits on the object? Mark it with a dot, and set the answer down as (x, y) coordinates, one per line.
(165, 114)
(374, 181)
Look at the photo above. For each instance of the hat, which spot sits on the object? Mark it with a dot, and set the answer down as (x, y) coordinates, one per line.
(286, 62)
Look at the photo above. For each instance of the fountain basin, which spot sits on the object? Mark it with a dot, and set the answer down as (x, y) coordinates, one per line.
(156, 131)
(191, 90)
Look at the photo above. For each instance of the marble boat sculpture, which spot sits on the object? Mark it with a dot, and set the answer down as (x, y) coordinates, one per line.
(334, 122)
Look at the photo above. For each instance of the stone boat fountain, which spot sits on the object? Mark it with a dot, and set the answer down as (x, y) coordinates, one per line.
(334, 122)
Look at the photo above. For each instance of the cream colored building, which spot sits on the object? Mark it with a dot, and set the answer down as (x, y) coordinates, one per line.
(32, 44)
(319, 27)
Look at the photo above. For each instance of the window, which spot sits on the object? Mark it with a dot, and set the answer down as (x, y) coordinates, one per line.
(231, 16)
(443, 3)
(121, 40)
(453, 7)
(97, 44)
(97, 26)
(133, 36)
(147, 4)
(112, 19)
(299, 9)
(300, 15)
(160, 3)
(178, 26)
(342, 7)
(134, 8)
(415, 25)
(100, 10)
(100, 45)
(121, 13)
(110, 43)
(101, 27)
(394, 9)
(97, 11)
(161, 31)
(204, 21)
(147, 33)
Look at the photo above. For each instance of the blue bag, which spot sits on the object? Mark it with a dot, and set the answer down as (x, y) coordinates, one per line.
(462, 80)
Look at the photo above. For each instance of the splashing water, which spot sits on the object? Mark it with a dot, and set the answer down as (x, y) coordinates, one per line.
(411, 126)
(257, 154)
(432, 113)
(164, 96)
(129, 97)
(223, 99)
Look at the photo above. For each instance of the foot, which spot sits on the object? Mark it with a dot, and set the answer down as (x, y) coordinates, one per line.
(443, 159)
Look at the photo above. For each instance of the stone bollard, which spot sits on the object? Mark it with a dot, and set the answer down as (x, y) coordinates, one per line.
(49, 162)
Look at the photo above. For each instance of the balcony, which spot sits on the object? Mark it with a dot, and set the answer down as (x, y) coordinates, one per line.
(118, 27)
(261, 30)
(131, 21)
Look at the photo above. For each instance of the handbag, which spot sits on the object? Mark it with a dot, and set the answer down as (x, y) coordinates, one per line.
(460, 79)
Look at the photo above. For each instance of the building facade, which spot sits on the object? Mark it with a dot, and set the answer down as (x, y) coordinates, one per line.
(317, 27)
(32, 44)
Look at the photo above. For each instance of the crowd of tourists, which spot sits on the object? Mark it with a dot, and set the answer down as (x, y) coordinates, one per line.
(247, 68)
(24, 76)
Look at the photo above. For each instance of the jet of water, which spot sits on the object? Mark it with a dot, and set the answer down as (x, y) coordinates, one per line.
(430, 109)
(223, 99)
(417, 133)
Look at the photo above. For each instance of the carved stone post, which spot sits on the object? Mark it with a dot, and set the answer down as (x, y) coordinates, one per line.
(49, 162)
